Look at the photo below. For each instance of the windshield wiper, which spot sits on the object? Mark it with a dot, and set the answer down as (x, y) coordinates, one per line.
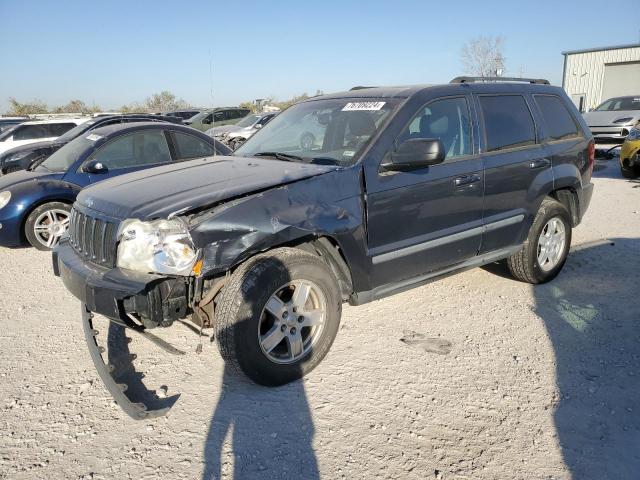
(285, 157)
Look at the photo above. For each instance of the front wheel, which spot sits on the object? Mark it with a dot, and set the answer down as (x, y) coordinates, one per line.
(545, 250)
(46, 224)
(278, 315)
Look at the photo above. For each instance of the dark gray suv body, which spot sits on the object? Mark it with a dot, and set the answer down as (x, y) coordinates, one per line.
(405, 185)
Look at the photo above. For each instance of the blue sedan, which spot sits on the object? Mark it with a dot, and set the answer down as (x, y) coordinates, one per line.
(35, 204)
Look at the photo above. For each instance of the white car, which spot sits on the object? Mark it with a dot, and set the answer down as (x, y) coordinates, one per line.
(37, 131)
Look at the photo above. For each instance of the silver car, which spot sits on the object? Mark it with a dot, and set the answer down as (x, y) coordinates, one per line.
(236, 135)
(612, 120)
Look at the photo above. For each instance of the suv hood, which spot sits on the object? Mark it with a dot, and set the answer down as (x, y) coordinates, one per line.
(604, 119)
(183, 187)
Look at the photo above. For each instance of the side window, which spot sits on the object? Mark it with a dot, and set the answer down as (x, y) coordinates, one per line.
(57, 129)
(508, 122)
(140, 148)
(219, 117)
(30, 132)
(188, 146)
(448, 120)
(560, 123)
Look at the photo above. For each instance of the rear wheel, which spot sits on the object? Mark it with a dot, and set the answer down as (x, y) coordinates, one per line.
(278, 315)
(46, 224)
(545, 250)
(630, 173)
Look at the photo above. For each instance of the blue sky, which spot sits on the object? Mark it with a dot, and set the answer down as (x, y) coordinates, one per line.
(221, 53)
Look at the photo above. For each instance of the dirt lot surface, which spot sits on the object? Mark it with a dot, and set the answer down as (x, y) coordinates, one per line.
(494, 380)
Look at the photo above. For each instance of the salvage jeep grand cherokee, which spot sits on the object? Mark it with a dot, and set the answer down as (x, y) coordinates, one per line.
(404, 185)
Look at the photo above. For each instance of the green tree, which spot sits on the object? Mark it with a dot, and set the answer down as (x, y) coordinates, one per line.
(76, 106)
(163, 102)
(28, 108)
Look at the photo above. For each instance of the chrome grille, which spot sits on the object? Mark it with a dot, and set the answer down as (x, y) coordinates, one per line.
(93, 238)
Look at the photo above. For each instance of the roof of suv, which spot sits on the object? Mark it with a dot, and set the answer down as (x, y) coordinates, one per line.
(410, 90)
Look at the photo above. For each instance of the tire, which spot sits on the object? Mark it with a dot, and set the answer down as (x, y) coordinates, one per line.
(525, 264)
(307, 140)
(630, 173)
(36, 237)
(242, 319)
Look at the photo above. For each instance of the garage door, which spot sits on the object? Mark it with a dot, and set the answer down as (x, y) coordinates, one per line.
(621, 79)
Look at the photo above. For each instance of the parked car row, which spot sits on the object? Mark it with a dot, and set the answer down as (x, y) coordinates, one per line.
(35, 204)
(29, 153)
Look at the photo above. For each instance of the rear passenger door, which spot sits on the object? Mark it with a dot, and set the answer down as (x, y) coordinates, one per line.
(189, 146)
(516, 168)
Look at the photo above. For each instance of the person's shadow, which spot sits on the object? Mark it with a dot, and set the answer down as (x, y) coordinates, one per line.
(271, 430)
(592, 314)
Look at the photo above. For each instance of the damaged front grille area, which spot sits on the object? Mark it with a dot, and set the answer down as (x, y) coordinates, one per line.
(93, 238)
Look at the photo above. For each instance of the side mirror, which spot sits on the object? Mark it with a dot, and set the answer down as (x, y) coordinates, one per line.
(95, 166)
(257, 126)
(415, 153)
(206, 121)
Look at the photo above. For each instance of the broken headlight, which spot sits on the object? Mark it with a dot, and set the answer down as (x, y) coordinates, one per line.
(160, 246)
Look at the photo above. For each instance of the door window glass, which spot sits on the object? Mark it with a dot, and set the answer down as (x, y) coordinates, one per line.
(560, 123)
(30, 132)
(141, 148)
(188, 146)
(57, 129)
(507, 121)
(448, 120)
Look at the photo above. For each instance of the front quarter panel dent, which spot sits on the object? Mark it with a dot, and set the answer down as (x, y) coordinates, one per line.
(239, 229)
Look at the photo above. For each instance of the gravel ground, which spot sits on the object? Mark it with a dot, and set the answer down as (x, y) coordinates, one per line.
(494, 380)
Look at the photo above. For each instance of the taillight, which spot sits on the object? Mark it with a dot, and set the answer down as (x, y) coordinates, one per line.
(591, 152)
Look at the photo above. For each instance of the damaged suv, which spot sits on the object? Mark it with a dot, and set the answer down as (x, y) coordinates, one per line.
(407, 185)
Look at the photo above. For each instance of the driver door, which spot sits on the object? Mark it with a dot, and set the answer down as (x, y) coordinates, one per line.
(426, 219)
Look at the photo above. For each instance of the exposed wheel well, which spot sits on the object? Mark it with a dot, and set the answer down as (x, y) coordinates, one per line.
(569, 198)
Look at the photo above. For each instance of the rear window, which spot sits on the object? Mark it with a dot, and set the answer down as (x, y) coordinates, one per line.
(560, 123)
(189, 146)
(508, 122)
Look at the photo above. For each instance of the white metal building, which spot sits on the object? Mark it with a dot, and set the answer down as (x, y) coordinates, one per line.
(593, 75)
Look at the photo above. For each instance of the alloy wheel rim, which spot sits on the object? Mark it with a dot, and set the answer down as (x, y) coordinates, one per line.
(551, 244)
(291, 321)
(50, 226)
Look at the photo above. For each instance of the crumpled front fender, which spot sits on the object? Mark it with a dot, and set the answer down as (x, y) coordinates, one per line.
(326, 205)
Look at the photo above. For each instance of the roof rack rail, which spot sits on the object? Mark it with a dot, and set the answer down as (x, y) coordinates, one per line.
(359, 87)
(539, 81)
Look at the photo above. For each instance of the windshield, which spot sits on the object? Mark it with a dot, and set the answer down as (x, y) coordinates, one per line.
(620, 103)
(75, 131)
(62, 159)
(248, 121)
(333, 131)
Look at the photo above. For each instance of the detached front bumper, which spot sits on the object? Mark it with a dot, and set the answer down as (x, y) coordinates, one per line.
(155, 300)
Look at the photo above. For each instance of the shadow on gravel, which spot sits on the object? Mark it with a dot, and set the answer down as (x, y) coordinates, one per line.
(125, 372)
(592, 314)
(271, 429)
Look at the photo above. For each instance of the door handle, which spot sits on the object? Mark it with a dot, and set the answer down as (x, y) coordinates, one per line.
(539, 163)
(466, 180)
